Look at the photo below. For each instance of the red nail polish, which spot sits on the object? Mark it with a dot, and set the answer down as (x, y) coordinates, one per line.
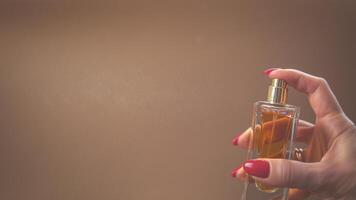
(234, 171)
(258, 168)
(235, 141)
(268, 71)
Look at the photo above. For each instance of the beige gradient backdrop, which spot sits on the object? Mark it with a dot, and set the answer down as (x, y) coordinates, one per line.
(139, 100)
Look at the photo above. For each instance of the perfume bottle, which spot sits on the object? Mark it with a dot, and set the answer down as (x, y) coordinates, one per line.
(273, 125)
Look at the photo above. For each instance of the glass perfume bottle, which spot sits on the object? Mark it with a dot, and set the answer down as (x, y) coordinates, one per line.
(273, 125)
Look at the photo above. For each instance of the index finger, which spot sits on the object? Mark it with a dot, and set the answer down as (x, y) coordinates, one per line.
(321, 98)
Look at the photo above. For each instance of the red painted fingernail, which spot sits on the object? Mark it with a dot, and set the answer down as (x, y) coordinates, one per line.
(268, 71)
(258, 168)
(235, 141)
(234, 171)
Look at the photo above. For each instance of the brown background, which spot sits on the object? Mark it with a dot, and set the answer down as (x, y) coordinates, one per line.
(140, 99)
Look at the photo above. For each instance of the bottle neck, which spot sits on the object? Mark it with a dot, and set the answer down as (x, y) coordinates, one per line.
(277, 92)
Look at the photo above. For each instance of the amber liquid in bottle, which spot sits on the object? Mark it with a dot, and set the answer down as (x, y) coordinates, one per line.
(273, 126)
(271, 139)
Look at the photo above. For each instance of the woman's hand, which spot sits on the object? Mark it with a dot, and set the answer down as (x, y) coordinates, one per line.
(329, 170)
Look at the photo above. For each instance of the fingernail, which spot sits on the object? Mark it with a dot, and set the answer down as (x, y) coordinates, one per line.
(234, 171)
(235, 141)
(258, 168)
(268, 71)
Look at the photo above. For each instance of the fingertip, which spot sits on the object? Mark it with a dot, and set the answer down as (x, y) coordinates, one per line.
(258, 168)
(234, 171)
(241, 174)
(242, 140)
(269, 71)
(235, 141)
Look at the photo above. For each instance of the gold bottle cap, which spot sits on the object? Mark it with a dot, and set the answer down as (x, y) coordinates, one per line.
(277, 92)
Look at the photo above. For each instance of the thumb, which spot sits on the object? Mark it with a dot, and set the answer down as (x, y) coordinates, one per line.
(286, 173)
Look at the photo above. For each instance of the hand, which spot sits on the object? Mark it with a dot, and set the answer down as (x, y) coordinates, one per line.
(329, 170)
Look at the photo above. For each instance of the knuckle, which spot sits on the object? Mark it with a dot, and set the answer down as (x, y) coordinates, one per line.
(289, 174)
(322, 81)
(286, 173)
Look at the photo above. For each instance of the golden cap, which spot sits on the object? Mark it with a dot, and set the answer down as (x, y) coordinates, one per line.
(277, 92)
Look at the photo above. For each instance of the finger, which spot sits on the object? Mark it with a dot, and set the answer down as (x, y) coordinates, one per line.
(317, 147)
(303, 134)
(320, 96)
(241, 175)
(297, 194)
(294, 194)
(286, 173)
(303, 123)
(304, 131)
(243, 140)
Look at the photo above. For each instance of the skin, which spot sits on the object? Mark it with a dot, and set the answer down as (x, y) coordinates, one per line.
(329, 170)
